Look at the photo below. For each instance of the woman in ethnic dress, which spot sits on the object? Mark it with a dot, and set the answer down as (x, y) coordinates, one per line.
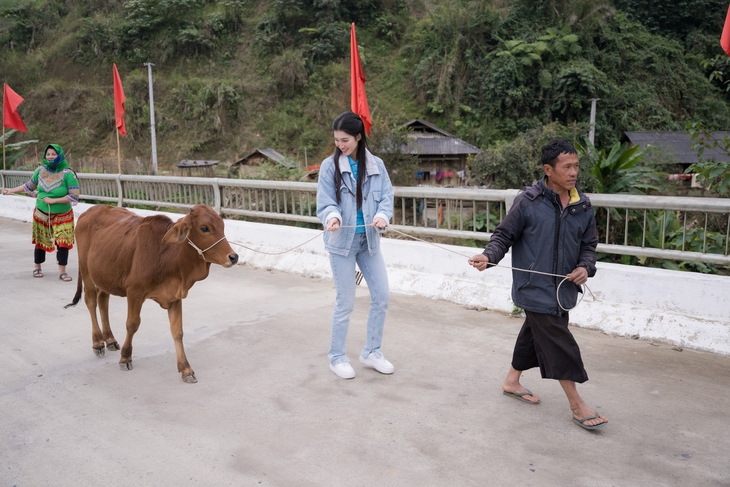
(57, 189)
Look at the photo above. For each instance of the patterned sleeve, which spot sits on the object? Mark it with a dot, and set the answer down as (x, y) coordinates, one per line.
(72, 185)
(32, 183)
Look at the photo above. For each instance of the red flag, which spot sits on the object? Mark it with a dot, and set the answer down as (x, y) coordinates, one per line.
(725, 39)
(11, 118)
(358, 99)
(119, 100)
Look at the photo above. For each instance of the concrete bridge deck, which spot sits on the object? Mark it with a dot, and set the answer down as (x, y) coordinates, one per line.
(267, 410)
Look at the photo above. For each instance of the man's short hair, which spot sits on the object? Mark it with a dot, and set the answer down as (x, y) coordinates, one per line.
(552, 150)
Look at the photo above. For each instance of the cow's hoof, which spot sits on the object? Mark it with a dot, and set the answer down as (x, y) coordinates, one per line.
(190, 379)
(113, 346)
(125, 365)
(99, 351)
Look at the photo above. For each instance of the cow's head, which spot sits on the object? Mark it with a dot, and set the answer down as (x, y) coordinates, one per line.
(203, 229)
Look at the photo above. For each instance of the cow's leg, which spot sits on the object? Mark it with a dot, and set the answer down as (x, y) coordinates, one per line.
(174, 312)
(134, 306)
(97, 340)
(106, 329)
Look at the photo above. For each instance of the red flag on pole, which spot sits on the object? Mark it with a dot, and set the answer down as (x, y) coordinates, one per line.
(358, 99)
(119, 100)
(725, 39)
(11, 118)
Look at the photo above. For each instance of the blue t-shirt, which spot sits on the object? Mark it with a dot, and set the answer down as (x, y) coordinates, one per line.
(360, 219)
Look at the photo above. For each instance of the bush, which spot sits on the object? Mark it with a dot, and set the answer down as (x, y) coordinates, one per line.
(514, 165)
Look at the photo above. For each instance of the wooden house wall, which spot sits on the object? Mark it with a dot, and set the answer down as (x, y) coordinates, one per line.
(447, 166)
(251, 168)
(200, 172)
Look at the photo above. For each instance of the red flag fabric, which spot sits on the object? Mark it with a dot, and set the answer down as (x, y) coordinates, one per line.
(358, 99)
(725, 39)
(119, 100)
(11, 118)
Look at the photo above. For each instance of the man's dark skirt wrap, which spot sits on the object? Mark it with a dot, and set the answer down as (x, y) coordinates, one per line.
(545, 341)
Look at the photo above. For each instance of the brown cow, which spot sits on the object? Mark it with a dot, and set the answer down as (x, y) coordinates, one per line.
(123, 254)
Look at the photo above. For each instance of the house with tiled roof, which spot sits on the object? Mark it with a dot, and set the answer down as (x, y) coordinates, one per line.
(442, 156)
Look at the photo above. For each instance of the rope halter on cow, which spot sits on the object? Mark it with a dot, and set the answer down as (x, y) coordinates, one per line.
(201, 252)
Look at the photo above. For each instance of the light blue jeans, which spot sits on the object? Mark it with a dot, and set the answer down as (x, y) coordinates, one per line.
(375, 274)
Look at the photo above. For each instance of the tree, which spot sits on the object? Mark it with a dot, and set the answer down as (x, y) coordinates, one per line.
(391, 143)
(677, 18)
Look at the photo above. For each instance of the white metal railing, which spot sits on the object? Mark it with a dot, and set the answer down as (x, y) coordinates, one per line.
(673, 228)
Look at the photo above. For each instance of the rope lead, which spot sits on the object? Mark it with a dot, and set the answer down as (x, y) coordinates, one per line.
(557, 291)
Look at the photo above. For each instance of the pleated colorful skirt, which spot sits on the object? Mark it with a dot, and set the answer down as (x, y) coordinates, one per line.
(54, 229)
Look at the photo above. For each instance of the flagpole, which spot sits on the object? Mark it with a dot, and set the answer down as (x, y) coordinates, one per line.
(3, 128)
(119, 154)
(152, 119)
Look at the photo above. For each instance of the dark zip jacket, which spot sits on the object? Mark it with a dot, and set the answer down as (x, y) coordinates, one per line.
(546, 238)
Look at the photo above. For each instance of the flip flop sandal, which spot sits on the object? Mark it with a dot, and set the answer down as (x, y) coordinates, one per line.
(37, 273)
(65, 277)
(520, 396)
(581, 422)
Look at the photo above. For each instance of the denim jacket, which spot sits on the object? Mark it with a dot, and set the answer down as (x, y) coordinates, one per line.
(377, 202)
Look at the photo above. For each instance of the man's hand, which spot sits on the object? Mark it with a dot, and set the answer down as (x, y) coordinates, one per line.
(333, 224)
(479, 262)
(579, 276)
(380, 223)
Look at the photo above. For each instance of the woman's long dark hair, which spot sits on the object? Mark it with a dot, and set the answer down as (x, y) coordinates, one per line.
(352, 125)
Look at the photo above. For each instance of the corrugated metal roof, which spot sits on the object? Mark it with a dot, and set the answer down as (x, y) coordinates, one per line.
(418, 125)
(272, 155)
(679, 144)
(427, 139)
(192, 163)
(440, 146)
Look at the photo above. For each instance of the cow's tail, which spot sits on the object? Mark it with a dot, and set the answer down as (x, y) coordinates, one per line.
(77, 297)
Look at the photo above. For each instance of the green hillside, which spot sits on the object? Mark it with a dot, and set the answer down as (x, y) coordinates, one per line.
(232, 76)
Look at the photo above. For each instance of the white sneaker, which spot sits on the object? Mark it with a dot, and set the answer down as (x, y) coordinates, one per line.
(343, 370)
(378, 363)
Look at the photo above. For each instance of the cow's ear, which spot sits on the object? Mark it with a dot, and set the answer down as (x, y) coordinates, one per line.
(178, 232)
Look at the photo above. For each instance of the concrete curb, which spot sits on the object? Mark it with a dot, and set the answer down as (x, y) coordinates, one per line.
(680, 308)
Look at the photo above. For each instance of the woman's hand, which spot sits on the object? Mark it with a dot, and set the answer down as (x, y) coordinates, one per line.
(333, 225)
(380, 223)
(17, 189)
(50, 201)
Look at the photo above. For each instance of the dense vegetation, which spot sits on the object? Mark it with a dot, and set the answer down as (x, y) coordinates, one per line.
(231, 76)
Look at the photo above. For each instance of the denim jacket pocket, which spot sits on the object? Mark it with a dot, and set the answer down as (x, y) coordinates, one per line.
(336, 239)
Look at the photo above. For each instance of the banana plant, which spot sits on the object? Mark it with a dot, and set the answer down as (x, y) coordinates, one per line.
(618, 171)
(13, 152)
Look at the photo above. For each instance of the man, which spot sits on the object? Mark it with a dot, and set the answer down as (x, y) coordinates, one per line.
(551, 229)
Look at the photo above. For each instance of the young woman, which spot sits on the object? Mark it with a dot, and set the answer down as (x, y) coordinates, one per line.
(53, 218)
(355, 204)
